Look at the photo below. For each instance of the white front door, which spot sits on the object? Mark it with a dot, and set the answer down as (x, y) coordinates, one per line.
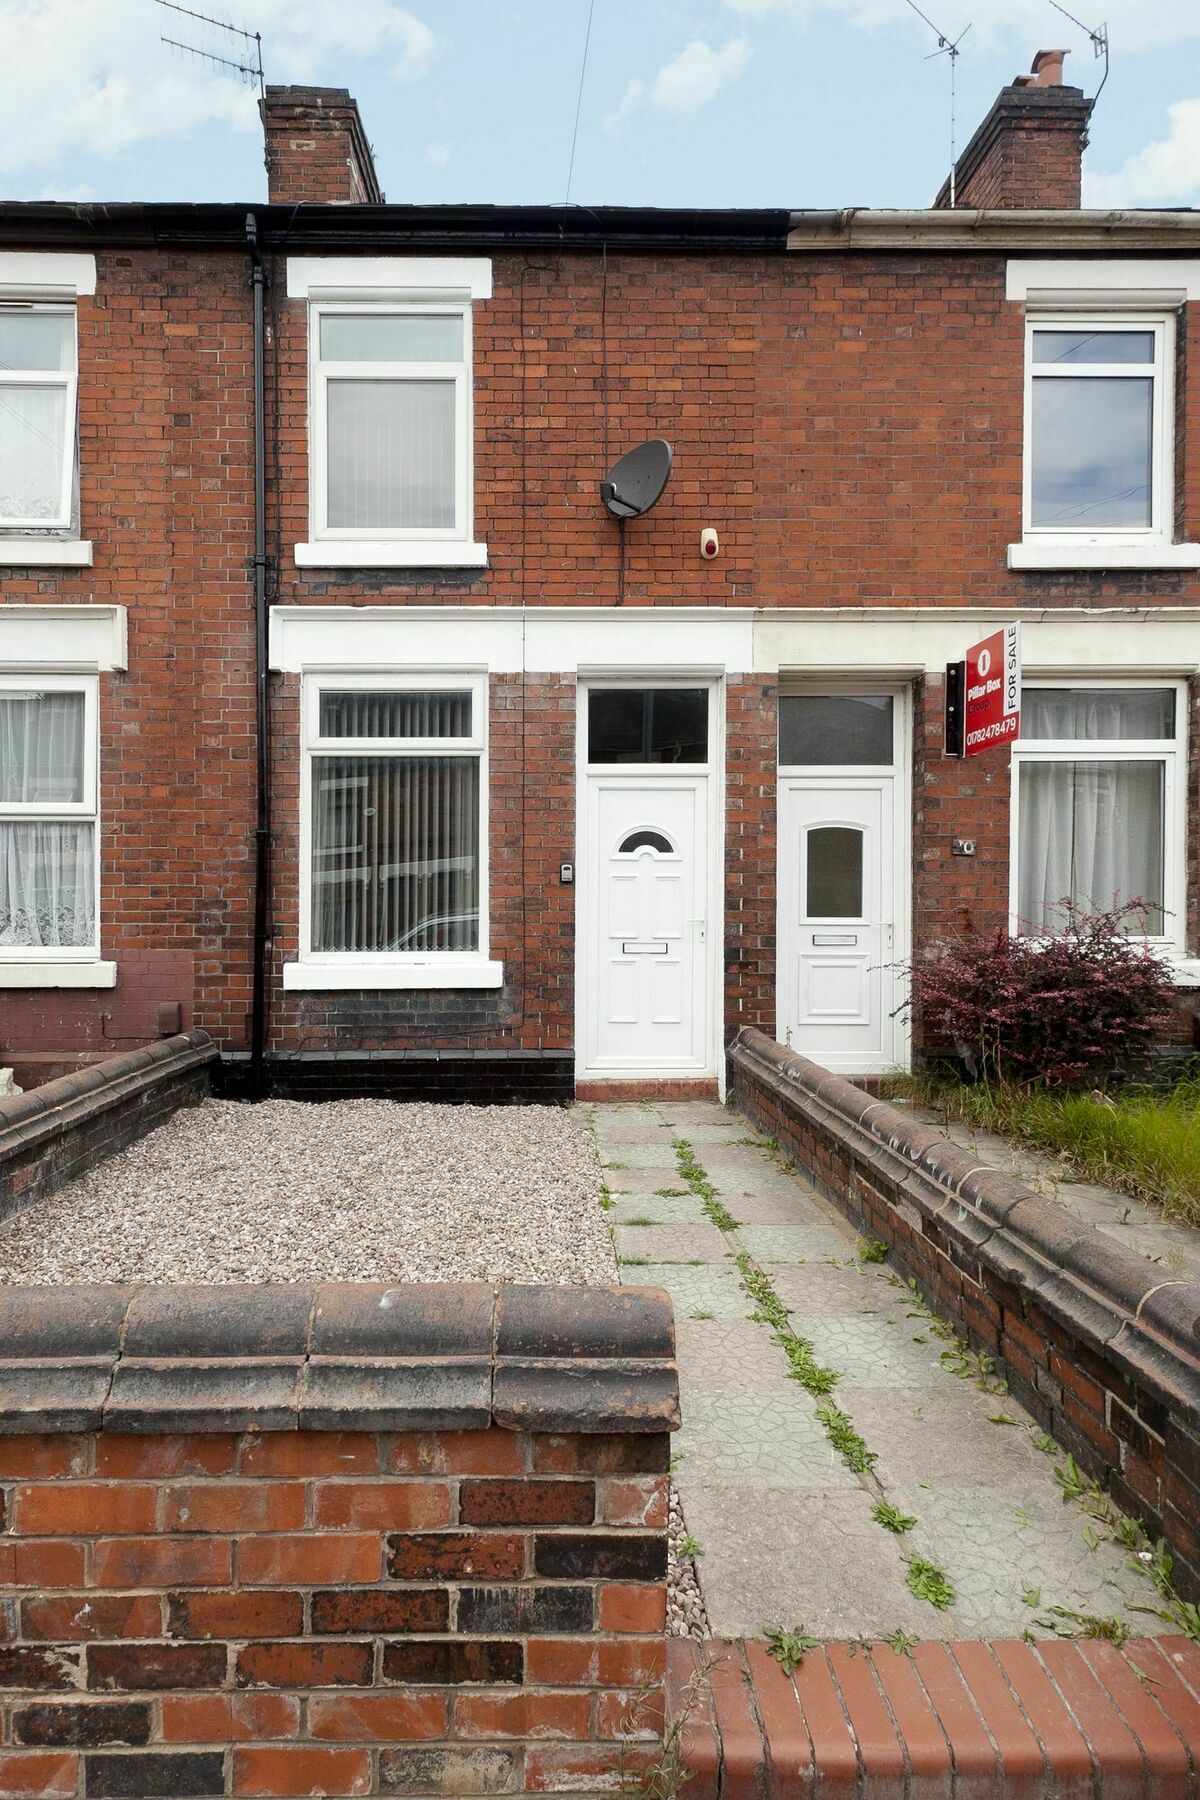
(837, 912)
(643, 949)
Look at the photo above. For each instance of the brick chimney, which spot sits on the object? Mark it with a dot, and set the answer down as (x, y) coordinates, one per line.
(317, 150)
(1029, 148)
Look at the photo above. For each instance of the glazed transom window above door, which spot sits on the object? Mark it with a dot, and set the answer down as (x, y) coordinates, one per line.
(647, 725)
(836, 730)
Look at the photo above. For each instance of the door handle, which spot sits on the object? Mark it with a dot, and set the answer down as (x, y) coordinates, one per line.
(701, 925)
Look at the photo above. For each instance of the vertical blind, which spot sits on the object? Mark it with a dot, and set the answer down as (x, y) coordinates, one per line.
(395, 853)
(391, 447)
(47, 865)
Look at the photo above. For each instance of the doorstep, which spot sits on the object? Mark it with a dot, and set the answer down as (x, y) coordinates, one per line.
(954, 1720)
(631, 1091)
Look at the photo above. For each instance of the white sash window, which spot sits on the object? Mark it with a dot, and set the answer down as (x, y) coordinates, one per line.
(37, 416)
(48, 820)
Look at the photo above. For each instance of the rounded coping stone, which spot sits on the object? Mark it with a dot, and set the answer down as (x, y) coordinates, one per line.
(444, 1318)
(612, 1322)
(236, 1319)
(62, 1321)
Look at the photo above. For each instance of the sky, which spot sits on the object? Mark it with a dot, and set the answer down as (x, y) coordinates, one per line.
(794, 103)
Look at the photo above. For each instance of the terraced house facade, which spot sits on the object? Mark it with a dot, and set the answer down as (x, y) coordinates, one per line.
(338, 715)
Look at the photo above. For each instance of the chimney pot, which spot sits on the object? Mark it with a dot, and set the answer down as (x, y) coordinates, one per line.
(1048, 67)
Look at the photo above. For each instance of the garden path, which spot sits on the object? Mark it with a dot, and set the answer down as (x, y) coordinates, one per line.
(787, 1529)
(1134, 1224)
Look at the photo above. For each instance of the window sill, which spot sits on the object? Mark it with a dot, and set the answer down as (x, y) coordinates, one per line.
(1032, 553)
(1185, 971)
(368, 974)
(65, 553)
(58, 974)
(376, 553)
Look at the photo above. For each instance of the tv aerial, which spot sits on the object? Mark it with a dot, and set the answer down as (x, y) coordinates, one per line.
(249, 67)
(632, 486)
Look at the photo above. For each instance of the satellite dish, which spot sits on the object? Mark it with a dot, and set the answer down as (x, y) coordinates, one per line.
(634, 483)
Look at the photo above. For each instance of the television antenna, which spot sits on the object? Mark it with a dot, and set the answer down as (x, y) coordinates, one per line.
(1099, 39)
(251, 72)
(947, 46)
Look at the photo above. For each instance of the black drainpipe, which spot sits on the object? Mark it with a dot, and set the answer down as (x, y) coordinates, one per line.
(262, 738)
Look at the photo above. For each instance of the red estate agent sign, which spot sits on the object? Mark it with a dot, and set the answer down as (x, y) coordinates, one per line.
(992, 709)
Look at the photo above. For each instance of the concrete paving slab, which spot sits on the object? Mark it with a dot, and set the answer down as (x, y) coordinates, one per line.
(657, 1155)
(643, 1182)
(730, 1355)
(680, 1114)
(685, 1243)
(810, 1241)
(673, 1209)
(767, 1439)
(871, 1353)
(711, 1290)
(817, 1291)
(944, 1434)
(773, 1556)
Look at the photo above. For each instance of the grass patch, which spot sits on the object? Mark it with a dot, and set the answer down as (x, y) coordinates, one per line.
(1145, 1141)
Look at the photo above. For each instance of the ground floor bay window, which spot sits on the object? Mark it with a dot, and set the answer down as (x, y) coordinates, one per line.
(1098, 794)
(48, 823)
(393, 814)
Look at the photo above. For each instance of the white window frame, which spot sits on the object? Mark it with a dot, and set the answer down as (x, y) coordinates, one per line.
(16, 958)
(1161, 326)
(68, 381)
(1172, 753)
(353, 969)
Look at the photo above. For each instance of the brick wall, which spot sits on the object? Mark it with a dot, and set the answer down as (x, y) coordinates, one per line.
(1101, 1349)
(68, 1125)
(267, 1608)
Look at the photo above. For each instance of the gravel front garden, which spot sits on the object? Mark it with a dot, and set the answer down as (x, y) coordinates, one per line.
(351, 1190)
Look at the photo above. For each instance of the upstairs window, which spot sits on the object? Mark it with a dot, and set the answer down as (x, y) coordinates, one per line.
(37, 416)
(391, 421)
(1099, 417)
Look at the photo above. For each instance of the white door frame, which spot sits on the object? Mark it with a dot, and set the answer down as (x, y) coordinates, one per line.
(829, 775)
(713, 774)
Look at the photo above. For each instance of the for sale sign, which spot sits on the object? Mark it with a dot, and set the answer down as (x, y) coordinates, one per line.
(992, 710)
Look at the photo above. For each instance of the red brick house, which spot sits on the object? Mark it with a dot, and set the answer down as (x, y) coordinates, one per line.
(339, 716)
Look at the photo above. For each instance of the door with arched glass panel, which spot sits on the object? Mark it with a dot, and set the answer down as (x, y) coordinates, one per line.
(838, 880)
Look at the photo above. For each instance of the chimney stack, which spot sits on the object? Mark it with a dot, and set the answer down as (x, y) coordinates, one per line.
(1029, 149)
(317, 150)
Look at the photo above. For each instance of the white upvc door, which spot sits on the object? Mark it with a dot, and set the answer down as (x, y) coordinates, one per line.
(644, 953)
(837, 916)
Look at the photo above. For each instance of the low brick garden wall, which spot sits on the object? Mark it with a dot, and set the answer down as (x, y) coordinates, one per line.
(66, 1126)
(1101, 1346)
(338, 1540)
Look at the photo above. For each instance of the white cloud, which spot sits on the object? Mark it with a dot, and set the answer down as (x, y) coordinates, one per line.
(88, 80)
(629, 99)
(437, 155)
(685, 84)
(1163, 173)
(1132, 23)
(697, 75)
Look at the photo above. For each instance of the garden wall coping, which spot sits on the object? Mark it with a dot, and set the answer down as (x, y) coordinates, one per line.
(43, 1112)
(1114, 1300)
(361, 1356)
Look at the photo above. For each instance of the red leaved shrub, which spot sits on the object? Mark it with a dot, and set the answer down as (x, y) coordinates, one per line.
(1075, 1007)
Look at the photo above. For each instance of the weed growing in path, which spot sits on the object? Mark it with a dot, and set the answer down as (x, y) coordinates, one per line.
(702, 1187)
(1146, 1557)
(789, 1648)
(872, 1250)
(891, 1517)
(841, 1433)
(770, 1310)
(928, 1582)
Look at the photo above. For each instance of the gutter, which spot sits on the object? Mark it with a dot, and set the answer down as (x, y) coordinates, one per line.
(262, 724)
(975, 228)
